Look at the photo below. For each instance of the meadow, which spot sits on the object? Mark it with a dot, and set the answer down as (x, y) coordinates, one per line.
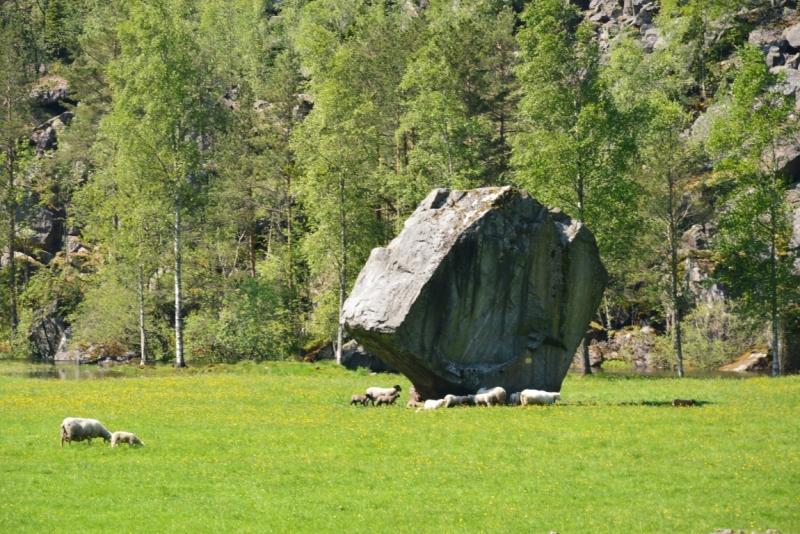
(276, 447)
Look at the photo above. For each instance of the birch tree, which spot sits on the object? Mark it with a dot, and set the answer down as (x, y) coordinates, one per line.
(161, 116)
(755, 227)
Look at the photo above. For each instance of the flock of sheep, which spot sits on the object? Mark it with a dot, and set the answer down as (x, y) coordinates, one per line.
(79, 429)
(484, 397)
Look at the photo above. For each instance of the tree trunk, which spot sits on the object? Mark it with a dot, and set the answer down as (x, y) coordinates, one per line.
(342, 270)
(12, 233)
(142, 332)
(179, 361)
(587, 363)
(673, 245)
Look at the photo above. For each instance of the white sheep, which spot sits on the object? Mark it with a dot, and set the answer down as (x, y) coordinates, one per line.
(125, 437)
(78, 429)
(455, 400)
(490, 397)
(376, 392)
(513, 399)
(434, 404)
(535, 396)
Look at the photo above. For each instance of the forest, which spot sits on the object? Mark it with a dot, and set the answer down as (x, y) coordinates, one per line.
(204, 179)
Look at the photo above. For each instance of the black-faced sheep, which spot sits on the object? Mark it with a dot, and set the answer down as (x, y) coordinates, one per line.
(78, 429)
(490, 396)
(535, 396)
(387, 399)
(362, 399)
(383, 392)
(125, 437)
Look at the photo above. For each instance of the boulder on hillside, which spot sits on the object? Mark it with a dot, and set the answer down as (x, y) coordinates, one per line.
(485, 287)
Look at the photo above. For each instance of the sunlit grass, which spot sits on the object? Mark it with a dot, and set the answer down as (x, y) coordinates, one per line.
(276, 448)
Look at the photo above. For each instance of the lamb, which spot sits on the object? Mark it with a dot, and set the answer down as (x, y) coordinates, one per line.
(455, 400)
(387, 399)
(490, 397)
(363, 399)
(683, 402)
(535, 396)
(125, 437)
(380, 392)
(78, 429)
(513, 399)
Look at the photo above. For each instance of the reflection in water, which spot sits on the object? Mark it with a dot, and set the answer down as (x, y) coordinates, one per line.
(70, 372)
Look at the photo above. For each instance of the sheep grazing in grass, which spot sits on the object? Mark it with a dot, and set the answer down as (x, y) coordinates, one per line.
(387, 399)
(513, 399)
(683, 402)
(362, 399)
(455, 400)
(125, 437)
(535, 396)
(78, 429)
(490, 396)
(383, 392)
(433, 404)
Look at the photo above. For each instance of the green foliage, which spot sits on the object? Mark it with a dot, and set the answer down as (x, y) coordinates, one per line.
(712, 336)
(755, 226)
(250, 324)
(575, 143)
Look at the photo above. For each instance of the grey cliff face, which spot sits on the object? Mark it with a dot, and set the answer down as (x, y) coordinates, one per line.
(485, 287)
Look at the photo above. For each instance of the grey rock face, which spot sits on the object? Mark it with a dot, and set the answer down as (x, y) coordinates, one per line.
(47, 332)
(482, 288)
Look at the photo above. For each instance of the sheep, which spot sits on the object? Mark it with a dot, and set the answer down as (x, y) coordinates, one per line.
(455, 400)
(535, 396)
(78, 429)
(513, 399)
(363, 399)
(433, 404)
(490, 397)
(125, 437)
(683, 402)
(380, 392)
(387, 399)
(414, 404)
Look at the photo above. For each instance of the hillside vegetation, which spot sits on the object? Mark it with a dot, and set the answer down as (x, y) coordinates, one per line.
(205, 179)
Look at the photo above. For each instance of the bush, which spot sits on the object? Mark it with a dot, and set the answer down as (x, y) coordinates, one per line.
(712, 337)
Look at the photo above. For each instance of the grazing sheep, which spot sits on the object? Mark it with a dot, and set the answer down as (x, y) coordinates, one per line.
(535, 396)
(380, 392)
(387, 399)
(490, 397)
(125, 437)
(433, 404)
(362, 399)
(78, 429)
(513, 399)
(455, 400)
(683, 402)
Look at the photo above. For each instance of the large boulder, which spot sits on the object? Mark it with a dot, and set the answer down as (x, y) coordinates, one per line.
(482, 288)
(355, 356)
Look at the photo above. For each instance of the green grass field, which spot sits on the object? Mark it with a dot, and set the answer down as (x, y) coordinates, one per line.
(276, 448)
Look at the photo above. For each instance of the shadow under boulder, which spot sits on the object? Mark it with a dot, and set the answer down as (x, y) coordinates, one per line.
(355, 355)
